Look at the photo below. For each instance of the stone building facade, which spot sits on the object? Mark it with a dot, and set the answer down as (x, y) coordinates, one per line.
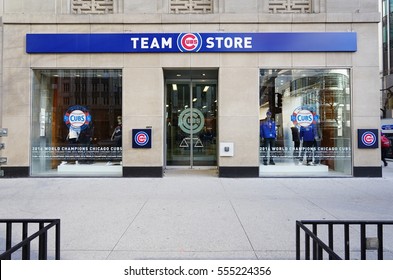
(188, 83)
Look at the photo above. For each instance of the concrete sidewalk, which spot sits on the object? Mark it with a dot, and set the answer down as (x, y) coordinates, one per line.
(192, 216)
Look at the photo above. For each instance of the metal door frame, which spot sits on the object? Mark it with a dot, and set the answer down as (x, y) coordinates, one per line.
(191, 82)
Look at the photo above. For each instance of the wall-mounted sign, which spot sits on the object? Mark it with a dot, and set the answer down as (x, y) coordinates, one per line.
(191, 42)
(141, 138)
(368, 138)
(387, 125)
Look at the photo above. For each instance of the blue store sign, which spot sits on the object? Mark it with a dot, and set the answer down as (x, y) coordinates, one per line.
(141, 138)
(368, 138)
(192, 42)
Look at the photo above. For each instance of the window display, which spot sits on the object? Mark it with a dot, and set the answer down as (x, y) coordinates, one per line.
(77, 122)
(310, 111)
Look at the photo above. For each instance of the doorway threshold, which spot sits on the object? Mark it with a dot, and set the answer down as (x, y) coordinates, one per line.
(187, 171)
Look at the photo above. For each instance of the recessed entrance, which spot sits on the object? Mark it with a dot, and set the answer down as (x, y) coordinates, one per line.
(191, 117)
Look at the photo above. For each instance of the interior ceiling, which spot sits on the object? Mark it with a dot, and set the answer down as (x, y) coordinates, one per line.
(195, 74)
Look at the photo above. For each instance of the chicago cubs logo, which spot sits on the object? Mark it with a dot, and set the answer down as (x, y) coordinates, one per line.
(189, 42)
(303, 117)
(77, 117)
(191, 120)
(141, 138)
(368, 138)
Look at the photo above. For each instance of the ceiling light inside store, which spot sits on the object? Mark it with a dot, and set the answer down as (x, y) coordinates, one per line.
(206, 88)
(195, 99)
(174, 87)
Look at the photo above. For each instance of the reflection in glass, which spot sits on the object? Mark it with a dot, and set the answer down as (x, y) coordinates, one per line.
(76, 128)
(312, 112)
(191, 111)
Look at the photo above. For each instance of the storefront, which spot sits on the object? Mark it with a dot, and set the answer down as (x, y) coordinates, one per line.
(132, 104)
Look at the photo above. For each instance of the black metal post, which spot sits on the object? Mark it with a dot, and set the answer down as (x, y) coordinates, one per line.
(320, 253)
(25, 248)
(42, 243)
(380, 241)
(314, 245)
(362, 241)
(57, 245)
(297, 242)
(346, 240)
(8, 239)
(331, 239)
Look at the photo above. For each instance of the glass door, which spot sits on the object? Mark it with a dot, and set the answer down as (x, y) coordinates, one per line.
(191, 123)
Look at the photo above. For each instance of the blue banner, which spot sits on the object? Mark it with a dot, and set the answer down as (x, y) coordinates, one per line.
(192, 42)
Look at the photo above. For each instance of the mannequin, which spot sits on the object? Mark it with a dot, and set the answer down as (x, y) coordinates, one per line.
(268, 137)
(296, 141)
(73, 134)
(307, 135)
(117, 133)
(117, 136)
(72, 139)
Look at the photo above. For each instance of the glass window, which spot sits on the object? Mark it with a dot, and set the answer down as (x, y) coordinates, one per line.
(77, 123)
(305, 122)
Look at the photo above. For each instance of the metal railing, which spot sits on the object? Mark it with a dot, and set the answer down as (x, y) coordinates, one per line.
(346, 231)
(40, 228)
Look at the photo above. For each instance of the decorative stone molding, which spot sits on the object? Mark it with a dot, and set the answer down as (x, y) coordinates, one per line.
(92, 6)
(290, 6)
(191, 6)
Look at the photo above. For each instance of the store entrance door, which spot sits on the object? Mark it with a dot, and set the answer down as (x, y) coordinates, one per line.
(191, 118)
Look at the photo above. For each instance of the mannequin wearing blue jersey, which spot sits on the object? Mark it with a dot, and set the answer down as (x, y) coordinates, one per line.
(308, 135)
(268, 136)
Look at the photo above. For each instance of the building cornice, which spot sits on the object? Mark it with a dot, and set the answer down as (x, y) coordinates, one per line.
(191, 18)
